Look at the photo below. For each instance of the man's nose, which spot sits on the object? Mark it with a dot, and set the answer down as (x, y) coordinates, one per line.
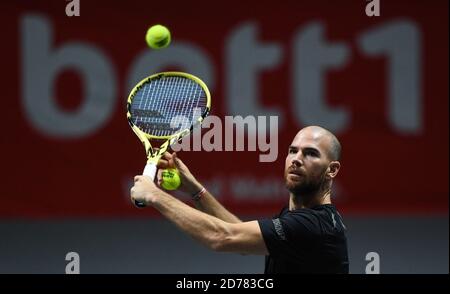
(297, 160)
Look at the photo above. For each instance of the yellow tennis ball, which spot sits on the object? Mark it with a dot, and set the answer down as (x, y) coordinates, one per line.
(158, 36)
(170, 179)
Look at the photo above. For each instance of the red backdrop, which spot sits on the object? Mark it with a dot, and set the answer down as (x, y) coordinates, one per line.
(395, 156)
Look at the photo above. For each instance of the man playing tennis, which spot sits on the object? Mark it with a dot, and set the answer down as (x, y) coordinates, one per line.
(308, 236)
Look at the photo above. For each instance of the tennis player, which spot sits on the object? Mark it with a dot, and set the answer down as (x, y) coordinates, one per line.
(307, 236)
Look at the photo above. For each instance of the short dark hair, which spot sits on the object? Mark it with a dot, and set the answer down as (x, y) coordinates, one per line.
(336, 148)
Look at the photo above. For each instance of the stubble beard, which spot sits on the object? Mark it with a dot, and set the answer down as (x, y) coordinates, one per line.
(307, 187)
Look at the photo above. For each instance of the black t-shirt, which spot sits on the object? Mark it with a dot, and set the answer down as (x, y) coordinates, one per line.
(306, 240)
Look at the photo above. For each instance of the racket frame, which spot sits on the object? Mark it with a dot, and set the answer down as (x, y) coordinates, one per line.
(153, 155)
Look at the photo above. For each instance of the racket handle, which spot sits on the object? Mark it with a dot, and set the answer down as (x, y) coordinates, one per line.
(149, 171)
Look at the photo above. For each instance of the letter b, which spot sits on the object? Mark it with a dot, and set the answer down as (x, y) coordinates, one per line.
(41, 65)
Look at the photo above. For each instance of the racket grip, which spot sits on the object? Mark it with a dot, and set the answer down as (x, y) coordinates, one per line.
(149, 171)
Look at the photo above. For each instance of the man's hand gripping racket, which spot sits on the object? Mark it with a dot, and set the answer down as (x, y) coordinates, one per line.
(163, 108)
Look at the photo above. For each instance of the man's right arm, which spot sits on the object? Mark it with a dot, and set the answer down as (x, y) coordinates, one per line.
(206, 203)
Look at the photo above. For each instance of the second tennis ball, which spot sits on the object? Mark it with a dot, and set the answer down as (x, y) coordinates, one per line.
(158, 36)
(170, 179)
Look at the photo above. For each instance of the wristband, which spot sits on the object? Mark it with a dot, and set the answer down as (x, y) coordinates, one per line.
(199, 195)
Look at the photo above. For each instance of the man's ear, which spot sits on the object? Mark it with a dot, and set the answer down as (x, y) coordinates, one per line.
(333, 169)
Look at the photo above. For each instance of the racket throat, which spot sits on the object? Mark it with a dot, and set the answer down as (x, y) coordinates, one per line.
(154, 155)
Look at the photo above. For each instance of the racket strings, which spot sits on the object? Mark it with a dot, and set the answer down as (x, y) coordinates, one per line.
(160, 102)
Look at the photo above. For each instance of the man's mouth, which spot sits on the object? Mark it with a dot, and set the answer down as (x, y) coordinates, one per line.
(295, 175)
(295, 172)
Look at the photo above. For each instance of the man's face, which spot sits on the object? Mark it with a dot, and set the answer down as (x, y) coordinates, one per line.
(307, 162)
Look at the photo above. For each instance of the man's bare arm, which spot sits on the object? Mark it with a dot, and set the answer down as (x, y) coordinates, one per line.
(207, 202)
(243, 237)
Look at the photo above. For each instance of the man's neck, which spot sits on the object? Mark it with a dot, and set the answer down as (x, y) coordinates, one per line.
(298, 201)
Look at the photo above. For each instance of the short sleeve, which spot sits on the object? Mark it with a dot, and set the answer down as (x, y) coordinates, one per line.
(290, 236)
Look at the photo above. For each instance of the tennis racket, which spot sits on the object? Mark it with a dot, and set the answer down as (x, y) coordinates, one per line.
(163, 108)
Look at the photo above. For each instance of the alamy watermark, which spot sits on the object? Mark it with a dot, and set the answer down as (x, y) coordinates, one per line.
(73, 8)
(373, 8)
(73, 265)
(373, 267)
(261, 133)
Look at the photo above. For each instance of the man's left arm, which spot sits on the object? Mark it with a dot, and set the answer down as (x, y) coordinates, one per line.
(245, 237)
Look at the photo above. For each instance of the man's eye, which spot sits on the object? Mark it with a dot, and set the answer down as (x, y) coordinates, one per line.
(311, 153)
(292, 151)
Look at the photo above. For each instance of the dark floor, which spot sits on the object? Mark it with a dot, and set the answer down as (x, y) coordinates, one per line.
(405, 245)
